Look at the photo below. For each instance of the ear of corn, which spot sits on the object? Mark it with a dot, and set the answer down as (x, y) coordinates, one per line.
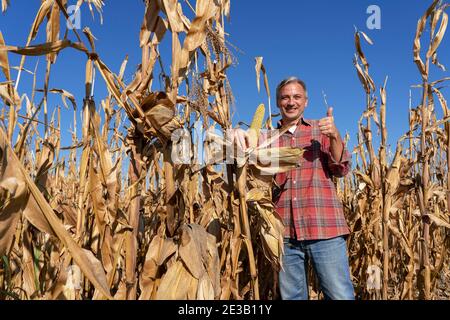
(256, 125)
(258, 118)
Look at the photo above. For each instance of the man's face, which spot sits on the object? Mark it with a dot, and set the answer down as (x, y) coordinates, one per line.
(292, 102)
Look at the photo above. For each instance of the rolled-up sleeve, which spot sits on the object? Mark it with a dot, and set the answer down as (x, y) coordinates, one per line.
(340, 168)
(337, 168)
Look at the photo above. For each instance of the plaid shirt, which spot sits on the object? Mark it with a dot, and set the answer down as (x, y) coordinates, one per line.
(306, 196)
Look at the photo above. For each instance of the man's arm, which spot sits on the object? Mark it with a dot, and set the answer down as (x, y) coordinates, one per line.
(340, 160)
(336, 147)
(328, 128)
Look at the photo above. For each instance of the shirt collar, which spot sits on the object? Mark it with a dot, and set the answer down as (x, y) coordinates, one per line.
(302, 121)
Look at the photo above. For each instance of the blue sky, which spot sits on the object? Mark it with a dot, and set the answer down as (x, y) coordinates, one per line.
(309, 39)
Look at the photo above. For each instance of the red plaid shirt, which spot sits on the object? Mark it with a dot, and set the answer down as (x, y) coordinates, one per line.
(307, 200)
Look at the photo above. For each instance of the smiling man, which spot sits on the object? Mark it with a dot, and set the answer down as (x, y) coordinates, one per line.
(306, 200)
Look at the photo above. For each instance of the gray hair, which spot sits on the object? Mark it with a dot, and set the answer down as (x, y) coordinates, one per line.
(288, 81)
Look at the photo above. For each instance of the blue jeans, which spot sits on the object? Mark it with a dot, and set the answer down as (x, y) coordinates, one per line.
(330, 262)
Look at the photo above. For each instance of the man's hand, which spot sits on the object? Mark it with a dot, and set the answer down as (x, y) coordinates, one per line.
(241, 138)
(327, 126)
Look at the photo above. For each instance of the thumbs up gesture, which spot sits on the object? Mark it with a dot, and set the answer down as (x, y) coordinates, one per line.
(327, 126)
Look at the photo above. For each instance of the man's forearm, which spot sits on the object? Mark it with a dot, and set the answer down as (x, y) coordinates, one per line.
(336, 147)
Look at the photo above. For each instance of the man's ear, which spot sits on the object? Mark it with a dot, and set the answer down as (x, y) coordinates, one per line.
(306, 103)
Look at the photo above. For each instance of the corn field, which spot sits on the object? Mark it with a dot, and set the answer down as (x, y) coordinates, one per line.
(113, 216)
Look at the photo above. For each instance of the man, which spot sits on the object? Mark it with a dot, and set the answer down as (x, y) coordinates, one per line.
(306, 200)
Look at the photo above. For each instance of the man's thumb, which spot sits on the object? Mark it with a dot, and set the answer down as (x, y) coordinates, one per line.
(330, 112)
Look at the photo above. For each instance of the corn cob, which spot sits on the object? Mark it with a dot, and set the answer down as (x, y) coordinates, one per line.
(256, 125)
